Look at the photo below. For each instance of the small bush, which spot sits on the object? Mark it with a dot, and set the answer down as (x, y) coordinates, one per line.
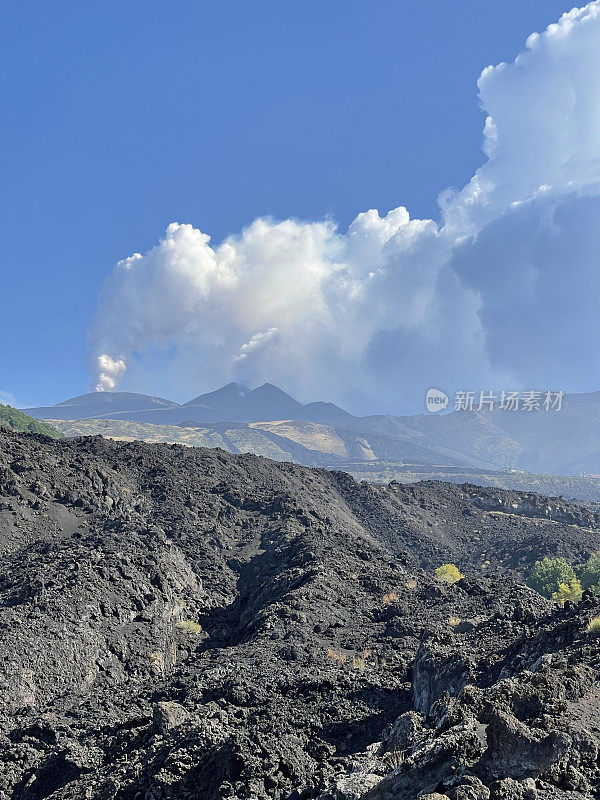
(190, 627)
(593, 626)
(389, 597)
(448, 573)
(568, 591)
(590, 574)
(548, 574)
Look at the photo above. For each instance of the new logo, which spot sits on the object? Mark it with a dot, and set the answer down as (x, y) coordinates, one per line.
(436, 400)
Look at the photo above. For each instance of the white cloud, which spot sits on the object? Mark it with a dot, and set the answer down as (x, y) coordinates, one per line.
(371, 317)
(543, 125)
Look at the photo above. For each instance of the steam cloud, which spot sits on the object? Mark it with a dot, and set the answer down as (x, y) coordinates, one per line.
(504, 291)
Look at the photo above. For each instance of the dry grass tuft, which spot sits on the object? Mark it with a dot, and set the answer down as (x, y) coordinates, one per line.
(593, 626)
(359, 661)
(389, 597)
(395, 758)
(337, 656)
(157, 662)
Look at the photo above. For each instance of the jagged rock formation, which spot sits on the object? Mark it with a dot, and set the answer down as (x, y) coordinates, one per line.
(182, 623)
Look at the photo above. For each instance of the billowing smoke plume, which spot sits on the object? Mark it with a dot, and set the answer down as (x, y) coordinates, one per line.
(109, 371)
(505, 291)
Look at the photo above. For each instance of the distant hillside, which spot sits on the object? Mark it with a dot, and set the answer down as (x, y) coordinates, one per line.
(565, 442)
(585, 489)
(269, 422)
(308, 443)
(13, 418)
(231, 403)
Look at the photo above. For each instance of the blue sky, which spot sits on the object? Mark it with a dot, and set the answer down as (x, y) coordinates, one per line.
(120, 118)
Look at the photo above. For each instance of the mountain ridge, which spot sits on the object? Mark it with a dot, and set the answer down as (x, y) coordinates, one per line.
(233, 402)
(565, 442)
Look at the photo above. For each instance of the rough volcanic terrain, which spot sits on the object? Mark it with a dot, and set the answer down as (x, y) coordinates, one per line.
(186, 623)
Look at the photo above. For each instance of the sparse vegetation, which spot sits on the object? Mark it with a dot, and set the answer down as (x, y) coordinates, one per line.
(359, 661)
(13, 418)
(568, 591)
(190, 627)
(593, 626)
(389, 597)
(448, 573)
(337, 656)
(590, 574)
(548, 574)
(157, 660)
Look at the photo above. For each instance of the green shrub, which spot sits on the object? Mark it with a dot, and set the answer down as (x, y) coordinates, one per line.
(593, 626)
(448, 573)
(568, 591)
(548, 574)
(590, 574)
(13, 418)
(189, 626)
